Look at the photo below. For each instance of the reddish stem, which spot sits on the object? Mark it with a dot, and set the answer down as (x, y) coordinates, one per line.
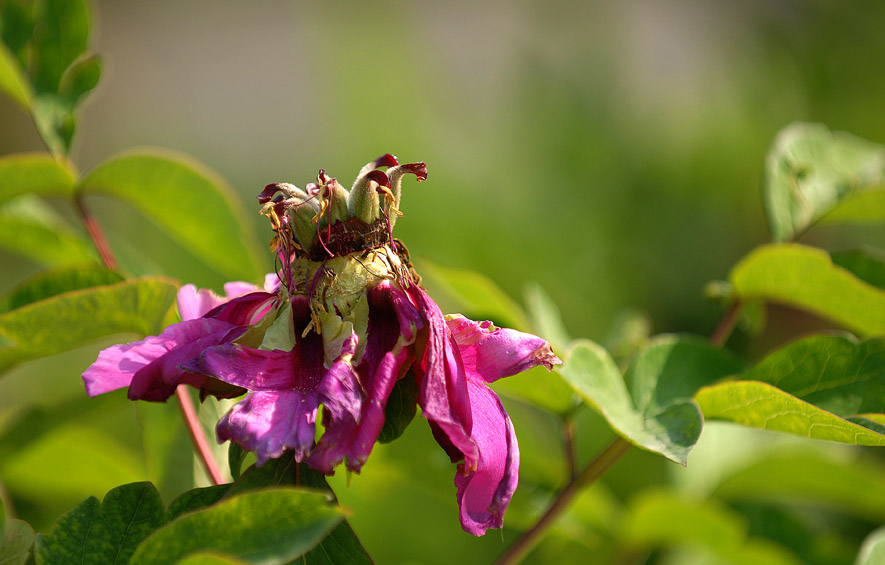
(726, 325)
(197, 435)
(98, 238)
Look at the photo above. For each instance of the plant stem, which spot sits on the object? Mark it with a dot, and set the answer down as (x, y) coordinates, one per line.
(593, 471)
(197, 434)
(569, 427)
(98, 238)
(726, 325)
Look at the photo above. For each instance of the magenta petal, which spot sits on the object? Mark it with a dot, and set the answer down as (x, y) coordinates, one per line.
(443, 394)
(155, 357)
(483, 495)
(244, 310)
(270, 422)
(490, 353)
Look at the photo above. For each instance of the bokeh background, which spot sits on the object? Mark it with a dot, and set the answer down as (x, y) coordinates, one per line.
(610, 151)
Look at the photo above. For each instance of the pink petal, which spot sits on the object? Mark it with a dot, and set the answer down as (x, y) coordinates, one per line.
(483, 494)
(117, 366)
(490, 353)
(193, 303)
(443, 394)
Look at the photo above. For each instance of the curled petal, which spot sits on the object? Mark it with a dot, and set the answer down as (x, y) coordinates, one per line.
(442, 388)
(244, 310)
(490, 353)
(270, 422)
(150, 366)
(483, 494)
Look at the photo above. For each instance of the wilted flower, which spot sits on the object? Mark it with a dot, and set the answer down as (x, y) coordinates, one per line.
(342, 321)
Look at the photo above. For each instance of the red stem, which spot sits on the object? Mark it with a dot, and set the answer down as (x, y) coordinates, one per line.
(197, 435)
(98, 238)
(726, 325)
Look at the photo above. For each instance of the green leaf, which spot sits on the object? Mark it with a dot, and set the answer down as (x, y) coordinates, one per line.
(209, 558)
(854, 485)
(80, 79)
(53, 282)
(16, 540)
(805, 278)
(340, 546)
(104, 533)
(809, 170)
(17, 26)
(867, 264)
(268, 525)
(191, 203)
(235, 457)
(865, 207)
(836, 373)
(474, 295)
(872, 552)
(73, 318)
(37, 173)
(400, 410)
(664, 519)
(30, 228)
(61, 34)
(761, 405)
(546, 320)
(657, 413)
(13, 82)
(195, 499)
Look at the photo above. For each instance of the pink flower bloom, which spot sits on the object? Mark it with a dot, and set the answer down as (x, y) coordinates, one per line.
(348, 321)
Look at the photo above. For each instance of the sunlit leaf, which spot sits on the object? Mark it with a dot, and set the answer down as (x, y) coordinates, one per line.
(865, 207)
(474, 295)
(761, 405)
(872, 552)
(660, 519)
(867, 264)
(12, 80)
(74, 318)
(809, 170)
(16, 539)
(855, 485)
(53, 282)
(191, 203)
(37, 173)
(806, 278)
(657, 413)
(209, 558)
(267, 525)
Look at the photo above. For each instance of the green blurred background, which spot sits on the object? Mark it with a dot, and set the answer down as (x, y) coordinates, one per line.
(610, 151)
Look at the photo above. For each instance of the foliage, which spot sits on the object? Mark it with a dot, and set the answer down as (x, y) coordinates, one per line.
(663, 394)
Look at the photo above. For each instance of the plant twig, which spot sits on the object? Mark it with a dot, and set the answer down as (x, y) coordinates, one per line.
(197, 434)
(98, 238)
(593, 471)
(726, 325)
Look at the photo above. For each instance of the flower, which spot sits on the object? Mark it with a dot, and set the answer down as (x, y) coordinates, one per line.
(342, 321)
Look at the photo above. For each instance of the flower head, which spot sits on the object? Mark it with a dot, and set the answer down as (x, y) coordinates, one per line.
(340, 323)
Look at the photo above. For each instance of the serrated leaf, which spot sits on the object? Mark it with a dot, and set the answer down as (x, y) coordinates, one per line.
(657, 413)
(836, 373)
(872, 552)
(867, 264)
(61, 34)
(16, 539)
(73, 318)
(809, 170)
(13, 82)
(805, 277)
(545, 317)
(475, 295)
(268, 525)
(855, 485)
(34, 173)
(194, 205)
(104, 533)
(761, 405)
